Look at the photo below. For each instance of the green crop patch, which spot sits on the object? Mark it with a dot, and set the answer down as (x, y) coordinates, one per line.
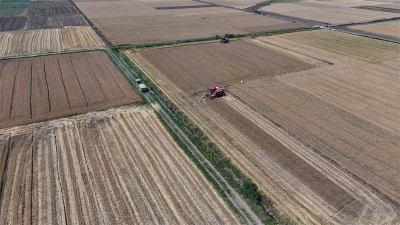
(14, 0)
(5, 4)
(12, 12)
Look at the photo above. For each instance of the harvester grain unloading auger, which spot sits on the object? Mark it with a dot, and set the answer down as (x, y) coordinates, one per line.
(215, 92)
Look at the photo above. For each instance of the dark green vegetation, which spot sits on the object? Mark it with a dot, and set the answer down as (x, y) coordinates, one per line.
(258, 202)
(21, 4)
(217, 37)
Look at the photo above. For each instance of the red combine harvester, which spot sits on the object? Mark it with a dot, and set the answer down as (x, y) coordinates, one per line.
(215, 92)
(224, 40)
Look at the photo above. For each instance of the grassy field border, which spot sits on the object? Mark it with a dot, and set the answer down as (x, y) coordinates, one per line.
(258, 202)
(181, 143)
(216, 37)
(51, 53)
(96, 30)
(206, 173)
(366, 22)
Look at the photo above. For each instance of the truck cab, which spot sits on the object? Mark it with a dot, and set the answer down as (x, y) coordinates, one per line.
(142, 87)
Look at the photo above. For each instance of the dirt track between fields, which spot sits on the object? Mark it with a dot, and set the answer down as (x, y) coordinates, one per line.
(131, 22)
(230, 124)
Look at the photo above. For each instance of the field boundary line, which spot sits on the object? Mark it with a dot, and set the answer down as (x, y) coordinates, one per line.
(51, 53)
(236, 199)
(95, 29)
(216, 37)
(294, 140)
(238, 202)
(365, 22)
(305, 58)
(368, 35)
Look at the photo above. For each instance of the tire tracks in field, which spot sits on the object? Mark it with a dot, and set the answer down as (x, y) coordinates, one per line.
(236, 199)
(356, 189)
(225, 141)
(372, 203)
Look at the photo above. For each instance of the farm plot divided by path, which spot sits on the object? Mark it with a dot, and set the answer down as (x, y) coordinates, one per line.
(40, 88)
(33, 42)
(360, 48)
(39, 15)
(131, 22)
(194, 68)
(388, 28)
(326, 12)
(308, 116)
(103, 168)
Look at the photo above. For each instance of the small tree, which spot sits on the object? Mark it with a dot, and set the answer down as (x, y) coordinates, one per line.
(250, 190)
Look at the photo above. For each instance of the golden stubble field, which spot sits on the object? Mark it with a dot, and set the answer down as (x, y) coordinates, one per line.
(32, 42)
(112, 167)
(334, 12)
(321, 140)
(387, 28)
(131, 22)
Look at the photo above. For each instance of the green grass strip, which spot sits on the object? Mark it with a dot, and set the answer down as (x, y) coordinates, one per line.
(253, 35)
(15, 4)
(14, 0)
(201, 167)
(12, 12)
(367, 22)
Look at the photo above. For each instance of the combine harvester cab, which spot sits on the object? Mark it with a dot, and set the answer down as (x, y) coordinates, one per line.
(224, 40)
(215, 92)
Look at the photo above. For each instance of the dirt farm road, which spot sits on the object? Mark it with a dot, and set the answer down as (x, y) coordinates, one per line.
(236, 199)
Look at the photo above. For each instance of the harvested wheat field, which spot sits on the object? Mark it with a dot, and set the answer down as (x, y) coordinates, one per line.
(131, 22)
(40, 88)
(234, 3)
(321, 142)
(243, 22)
(165, 4)
(388, 28)
(360, 48)
(103, 168)
(324, 11)
(32, 42)
(194, 68)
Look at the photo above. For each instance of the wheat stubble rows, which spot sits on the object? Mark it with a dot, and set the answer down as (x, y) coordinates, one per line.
(103, 168)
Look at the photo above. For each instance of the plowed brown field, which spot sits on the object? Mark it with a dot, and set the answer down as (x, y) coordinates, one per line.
(46, 87)
(194, 68)
(103, 168)
(31, 42)
(322, 142)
